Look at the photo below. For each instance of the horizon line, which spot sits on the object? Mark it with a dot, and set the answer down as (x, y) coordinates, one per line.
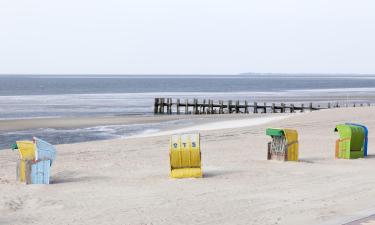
(183, 74)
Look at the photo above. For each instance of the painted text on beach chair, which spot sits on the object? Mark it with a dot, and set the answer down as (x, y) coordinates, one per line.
(284, 144)
(185, 156)
(350, 145)
(36, 158)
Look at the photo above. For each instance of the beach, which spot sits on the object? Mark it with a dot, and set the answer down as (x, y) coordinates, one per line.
(126, 181)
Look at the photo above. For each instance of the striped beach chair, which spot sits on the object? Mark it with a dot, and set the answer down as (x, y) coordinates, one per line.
(185, 156)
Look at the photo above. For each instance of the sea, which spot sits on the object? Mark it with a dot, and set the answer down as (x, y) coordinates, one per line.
(55, 96)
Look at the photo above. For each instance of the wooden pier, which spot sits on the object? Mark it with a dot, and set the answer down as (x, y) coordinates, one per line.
(168, 106)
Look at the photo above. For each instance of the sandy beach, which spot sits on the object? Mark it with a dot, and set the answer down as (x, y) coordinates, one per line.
(126, 181)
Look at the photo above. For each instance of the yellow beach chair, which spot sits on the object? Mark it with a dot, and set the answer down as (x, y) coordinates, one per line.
(185, 156)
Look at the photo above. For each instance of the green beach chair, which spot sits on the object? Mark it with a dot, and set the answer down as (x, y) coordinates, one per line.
(350, 145)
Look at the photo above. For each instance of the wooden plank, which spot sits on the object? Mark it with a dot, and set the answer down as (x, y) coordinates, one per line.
(221, 110)
(229, 106)
(156, 105)
(178, 106)
(211, 106)
(195, 109)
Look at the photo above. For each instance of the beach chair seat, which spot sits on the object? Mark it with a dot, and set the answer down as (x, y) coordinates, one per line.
(185, 156)
(350, 145)
(284, 144)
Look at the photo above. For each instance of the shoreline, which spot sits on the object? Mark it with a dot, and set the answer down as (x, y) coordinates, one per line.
(86, 129)
(82, 122)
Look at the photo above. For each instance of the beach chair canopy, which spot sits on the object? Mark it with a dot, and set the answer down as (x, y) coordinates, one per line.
(274, 132)
(37, 149)
(26, 150)
(354, 134)
(290, 134)
(44, 150)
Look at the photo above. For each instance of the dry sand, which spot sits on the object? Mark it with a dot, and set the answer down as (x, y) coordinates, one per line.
(125, 181)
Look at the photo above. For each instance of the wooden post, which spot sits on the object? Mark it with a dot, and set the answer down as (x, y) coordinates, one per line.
(203, 107)
(186, 106)
(221, 110)
(212, 107)
(170, 106)
(195, 107)
(282, 108)
(302, 107)
(273, 108)
(255, 110)
(208, 106)
(237, 106)
(167, 105)
(156, 105)
(229, 106)
(311, 107)
(178, 106)
(246, 107)
(265, 108)
(161, 106)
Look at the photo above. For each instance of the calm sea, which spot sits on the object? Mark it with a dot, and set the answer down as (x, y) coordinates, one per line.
(59, 96)
(36, 96)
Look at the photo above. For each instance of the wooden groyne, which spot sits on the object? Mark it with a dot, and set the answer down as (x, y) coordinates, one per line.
(168, 106)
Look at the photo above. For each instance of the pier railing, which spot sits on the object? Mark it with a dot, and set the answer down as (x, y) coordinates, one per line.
(168, 106)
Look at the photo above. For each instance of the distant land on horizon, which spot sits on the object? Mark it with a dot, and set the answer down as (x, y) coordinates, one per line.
(180, 74)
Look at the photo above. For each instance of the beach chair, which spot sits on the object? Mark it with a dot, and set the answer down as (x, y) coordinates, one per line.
(284, 144)
(185, 156)
(350, 145)
(366, 137)
(36, 158)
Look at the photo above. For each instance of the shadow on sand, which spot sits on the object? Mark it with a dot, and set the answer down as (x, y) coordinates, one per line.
(73, 177)
(218, 173)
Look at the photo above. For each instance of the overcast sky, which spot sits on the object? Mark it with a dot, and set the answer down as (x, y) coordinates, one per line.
(187, 37)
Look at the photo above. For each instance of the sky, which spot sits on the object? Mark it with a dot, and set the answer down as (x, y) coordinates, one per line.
(186, 36)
